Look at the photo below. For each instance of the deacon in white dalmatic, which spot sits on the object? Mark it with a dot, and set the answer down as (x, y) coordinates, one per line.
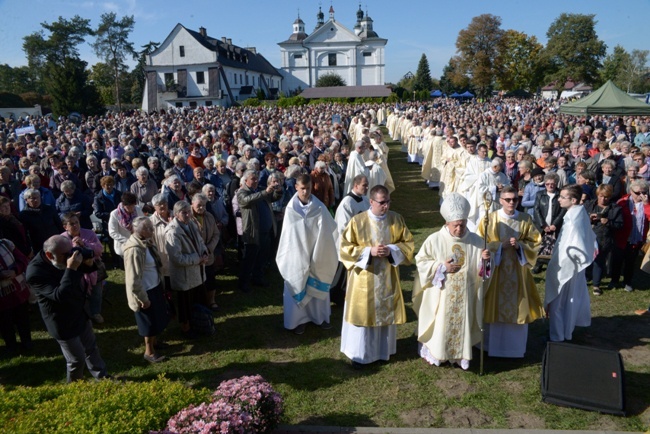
(307, 259)
(447, 292)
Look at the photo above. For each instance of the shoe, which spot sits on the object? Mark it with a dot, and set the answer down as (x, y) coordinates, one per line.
(612, 285)
(214, 307)
(642, 312)
(537, 269)
(97, 318)
(464, 364)
(628, 288)
(300, 329)
(154, 358)
(325, 325)
(597, 291)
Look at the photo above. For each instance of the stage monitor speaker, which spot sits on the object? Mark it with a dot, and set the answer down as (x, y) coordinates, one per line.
(583, 377)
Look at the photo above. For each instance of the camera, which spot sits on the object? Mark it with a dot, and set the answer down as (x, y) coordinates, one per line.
(85, 253)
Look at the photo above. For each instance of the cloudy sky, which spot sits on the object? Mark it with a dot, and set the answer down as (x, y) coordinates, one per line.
(412, 27)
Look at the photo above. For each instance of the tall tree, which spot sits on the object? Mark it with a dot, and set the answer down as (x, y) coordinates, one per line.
(330, 79)
(613, 64)
(423, 75)
(478, 48)
(573, 49)
(521, 62)
(112, 44)
(138, 73)
(633, 70)
(55, 62)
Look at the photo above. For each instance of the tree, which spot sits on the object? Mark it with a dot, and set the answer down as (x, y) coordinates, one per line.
(573, 49)
(330, 79)
(632, 72)
(113, 46)
(55, 63)
(521, 62)
(101, 76)
(478, 48)
(138, 73)
(452, 78)
(423, 75)
(613, 64)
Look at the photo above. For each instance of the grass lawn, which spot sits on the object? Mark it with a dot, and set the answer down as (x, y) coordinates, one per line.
(316, 380)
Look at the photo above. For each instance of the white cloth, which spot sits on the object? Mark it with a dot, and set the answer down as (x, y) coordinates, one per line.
(356, 166)
(348, 208)
(505, 340)
(567, 294)
(368, 344)
(307, 256)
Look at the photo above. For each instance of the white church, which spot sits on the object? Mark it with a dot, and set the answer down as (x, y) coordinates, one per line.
(356, 55)
(192, 69)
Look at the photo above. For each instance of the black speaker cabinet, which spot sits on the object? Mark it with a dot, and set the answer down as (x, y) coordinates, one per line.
(583, 377)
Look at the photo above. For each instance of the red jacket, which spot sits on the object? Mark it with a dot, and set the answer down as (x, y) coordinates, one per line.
(621, 236)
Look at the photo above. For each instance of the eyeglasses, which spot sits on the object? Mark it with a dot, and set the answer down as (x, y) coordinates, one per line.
(509, 199)
(382, 202)
(550, 184)
(638, 192)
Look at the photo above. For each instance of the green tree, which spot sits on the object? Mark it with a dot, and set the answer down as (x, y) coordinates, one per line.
(101, 75)
(54, 61)
(112, 44)
(573, 49)
(478, 48)
(453, 78)
(139, 74)
(613, 64)
(423, 75)
(521, 62)
(633, 71)
(330, 79)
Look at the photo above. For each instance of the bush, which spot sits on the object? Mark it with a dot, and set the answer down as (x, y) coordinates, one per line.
(244, 405)
(251, 102)
(95, 407)
(292, 101)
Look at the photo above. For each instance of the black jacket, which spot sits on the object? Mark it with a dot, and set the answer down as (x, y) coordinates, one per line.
(605, 232)
(61, 296)
(540, 209)
(40, 224)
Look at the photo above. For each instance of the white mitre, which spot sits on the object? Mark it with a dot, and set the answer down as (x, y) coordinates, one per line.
(455, 207)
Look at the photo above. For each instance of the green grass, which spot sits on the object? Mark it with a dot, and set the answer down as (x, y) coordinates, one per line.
(316, 380)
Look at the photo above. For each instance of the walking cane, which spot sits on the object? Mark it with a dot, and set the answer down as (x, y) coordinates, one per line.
(487, 203)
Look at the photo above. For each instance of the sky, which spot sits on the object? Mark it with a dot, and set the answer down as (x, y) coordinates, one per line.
(413, 28)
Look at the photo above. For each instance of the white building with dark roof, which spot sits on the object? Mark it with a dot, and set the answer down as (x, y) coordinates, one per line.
(356, 55)
(192, 69)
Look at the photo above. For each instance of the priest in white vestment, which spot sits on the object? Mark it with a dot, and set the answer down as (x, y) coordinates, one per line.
(307, 259)
(476, 165)
(381, 147)
(447, 292)
(567, 294)
(373, 246)
(356, 165)
(491, 181)
(376, 173)
(432, 164)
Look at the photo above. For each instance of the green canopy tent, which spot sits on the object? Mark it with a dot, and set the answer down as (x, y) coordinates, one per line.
(607, 100)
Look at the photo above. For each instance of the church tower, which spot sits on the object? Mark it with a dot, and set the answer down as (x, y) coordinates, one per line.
(357, 26)
(320, 18)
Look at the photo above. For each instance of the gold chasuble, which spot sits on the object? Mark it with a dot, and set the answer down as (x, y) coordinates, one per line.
(374, 296)
(512, 296)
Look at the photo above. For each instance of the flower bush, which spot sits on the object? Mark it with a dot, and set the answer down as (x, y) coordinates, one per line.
(243, 405)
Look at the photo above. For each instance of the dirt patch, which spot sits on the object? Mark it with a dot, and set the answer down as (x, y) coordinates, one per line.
(454, 387)
(467, 417)
(645, 418)
(518, 420)
(512, 387)
(418, 417)
(605, 423)
(636, 356)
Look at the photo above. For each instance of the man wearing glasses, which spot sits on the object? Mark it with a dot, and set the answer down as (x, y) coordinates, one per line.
(511, 301)
(636, 215)
(373, 245)
(567, 296)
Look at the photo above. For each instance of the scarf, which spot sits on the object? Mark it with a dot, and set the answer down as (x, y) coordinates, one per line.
(124, 218)
(7, 262)
(638, 222)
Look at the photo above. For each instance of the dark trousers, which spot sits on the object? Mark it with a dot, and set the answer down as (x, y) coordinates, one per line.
(16, 318)
(599, 267)
(82, 350)
(624, 260)
(254, 259)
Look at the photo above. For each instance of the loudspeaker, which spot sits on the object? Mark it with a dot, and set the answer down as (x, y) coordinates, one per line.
(583, 377)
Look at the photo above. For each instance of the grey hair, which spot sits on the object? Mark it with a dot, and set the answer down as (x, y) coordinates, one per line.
(139, 224)
(248, 174)
(180, 206)
(240, 167)
(639, 183)
(151, 160)
(170, 179)
(158, 199)
(200, 197)
(320, 164)
(552, 176)
(31, 192)
(68, 186)
(88, 159)
(292, 171)
(277, 175)
(208, 187)
(141, 170)
(526, 164)
(610, 163)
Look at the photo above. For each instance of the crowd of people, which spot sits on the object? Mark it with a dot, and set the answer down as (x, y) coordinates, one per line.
(309, 189)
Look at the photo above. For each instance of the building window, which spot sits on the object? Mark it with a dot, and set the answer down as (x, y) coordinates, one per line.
(367, 54)
(208, 103)
(200, 77)
(297, 56)
(193, 104)
(240, 79)
(179, 104)
(246, 79)
(331, 59)
(181, 50)
(235, 78)
(169, 79)
(253, 80)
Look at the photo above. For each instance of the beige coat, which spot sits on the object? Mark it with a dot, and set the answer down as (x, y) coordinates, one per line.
(184, 256)
(135, 251)
(159, 227)
(209, 233)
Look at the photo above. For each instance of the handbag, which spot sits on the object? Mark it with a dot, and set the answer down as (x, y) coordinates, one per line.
(102, 274)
